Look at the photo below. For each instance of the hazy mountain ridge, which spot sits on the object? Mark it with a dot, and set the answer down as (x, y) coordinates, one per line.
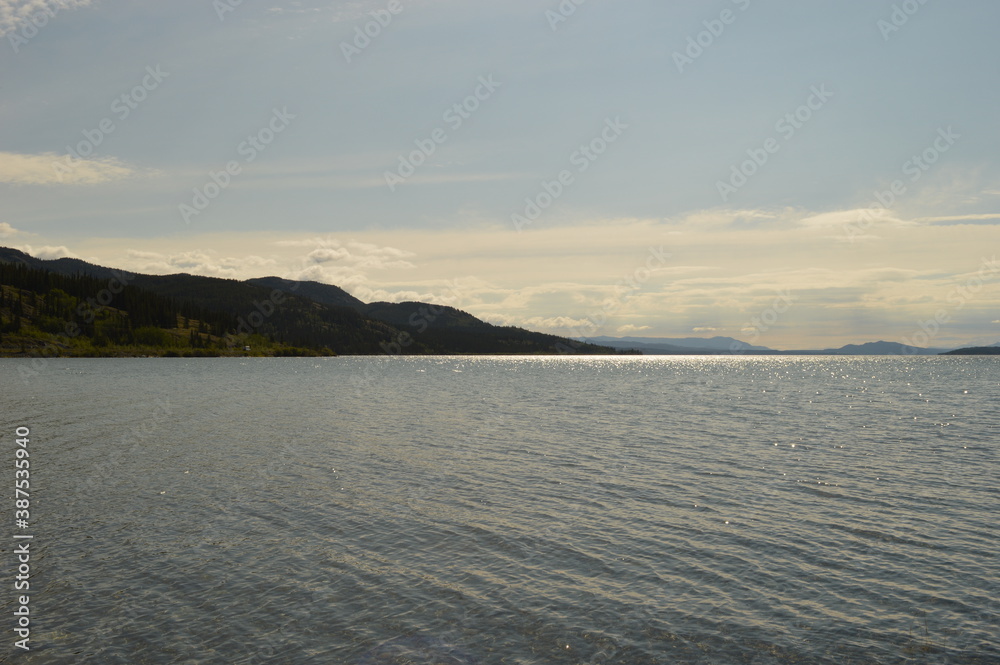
(729, 345)
(680, 345)
(883, 348)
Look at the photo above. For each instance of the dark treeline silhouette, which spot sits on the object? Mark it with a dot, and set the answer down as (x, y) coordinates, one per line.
(207, 314)
(100, 309)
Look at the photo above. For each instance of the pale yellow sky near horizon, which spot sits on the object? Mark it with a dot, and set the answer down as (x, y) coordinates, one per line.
(695, 276)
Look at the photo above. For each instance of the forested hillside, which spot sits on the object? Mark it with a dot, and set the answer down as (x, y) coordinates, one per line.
(70, 307)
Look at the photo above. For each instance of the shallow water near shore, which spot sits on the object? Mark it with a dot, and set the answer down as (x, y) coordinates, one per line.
(488, 510)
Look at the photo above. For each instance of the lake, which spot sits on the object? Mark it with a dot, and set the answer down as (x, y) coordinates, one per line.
(509, 510)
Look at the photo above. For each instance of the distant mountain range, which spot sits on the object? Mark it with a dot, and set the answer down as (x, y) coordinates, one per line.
(729, 345)
(679, 345)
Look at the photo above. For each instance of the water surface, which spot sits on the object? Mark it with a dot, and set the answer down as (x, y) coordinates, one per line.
(512, 510)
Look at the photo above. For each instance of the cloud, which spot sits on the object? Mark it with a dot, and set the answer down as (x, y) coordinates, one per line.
(349, 264)
(554, 323)
(14, 14)
(197, 262)
(725, 219)
(48, 168)
(986, 217)
(867, 237)
(382, 295)
(6, 230)
(704, 329)
(628, 328)
(354, 254)
(338, 12)
(849, 218)
(327, 254)
(48, 252)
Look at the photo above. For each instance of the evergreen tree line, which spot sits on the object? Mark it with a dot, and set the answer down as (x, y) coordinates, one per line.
(101, 309)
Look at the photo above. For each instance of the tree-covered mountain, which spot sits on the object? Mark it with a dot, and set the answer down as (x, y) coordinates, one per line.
(326, 294)
(114, 312)
(83, 315)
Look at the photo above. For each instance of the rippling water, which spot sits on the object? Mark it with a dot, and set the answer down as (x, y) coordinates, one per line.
(450, 511)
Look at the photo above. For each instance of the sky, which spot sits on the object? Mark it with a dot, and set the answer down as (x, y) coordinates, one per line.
(792, 174)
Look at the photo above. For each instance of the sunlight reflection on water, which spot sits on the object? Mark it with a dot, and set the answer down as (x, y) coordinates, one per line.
(521, 510)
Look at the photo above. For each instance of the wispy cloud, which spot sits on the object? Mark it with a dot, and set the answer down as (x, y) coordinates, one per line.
(6, 230)
(841, 218)
(985, 217)
(48, 168)
(14, 13)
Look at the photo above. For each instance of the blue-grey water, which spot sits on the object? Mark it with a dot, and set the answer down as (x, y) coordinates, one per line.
(506, 510)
